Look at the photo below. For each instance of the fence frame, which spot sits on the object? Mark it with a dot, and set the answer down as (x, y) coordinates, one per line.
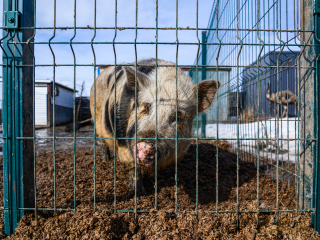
(18, 113)
(316, 25)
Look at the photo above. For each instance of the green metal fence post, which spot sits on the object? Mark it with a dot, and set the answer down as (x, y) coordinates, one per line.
(203, 77)
(18, 171)
(316, 219)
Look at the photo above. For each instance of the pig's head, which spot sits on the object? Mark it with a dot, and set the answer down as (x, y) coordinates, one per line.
(170, 116)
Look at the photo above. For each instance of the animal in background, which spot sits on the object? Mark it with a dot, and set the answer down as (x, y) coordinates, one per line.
(284, 98)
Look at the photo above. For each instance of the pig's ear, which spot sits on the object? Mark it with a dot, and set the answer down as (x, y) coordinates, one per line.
(142, 79)
(206, 91)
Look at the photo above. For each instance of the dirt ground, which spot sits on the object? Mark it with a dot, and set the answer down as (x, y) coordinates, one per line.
(93, 222)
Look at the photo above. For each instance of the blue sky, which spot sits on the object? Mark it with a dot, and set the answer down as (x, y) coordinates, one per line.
(126, 10)
(105, 17)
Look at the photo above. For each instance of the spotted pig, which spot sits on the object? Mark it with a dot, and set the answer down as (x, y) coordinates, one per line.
(170, 100)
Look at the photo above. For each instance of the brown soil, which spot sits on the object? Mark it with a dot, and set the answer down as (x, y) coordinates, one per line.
(161, 223)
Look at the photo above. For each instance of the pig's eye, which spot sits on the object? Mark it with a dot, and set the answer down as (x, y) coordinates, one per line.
(146, 107)
(172, 117)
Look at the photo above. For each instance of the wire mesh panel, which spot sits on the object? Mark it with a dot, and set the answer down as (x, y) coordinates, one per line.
(161, 116)
(267, 93)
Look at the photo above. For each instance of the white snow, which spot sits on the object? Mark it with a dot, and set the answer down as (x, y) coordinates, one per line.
(287, 128)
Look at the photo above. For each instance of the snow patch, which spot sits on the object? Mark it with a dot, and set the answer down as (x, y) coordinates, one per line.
(267, 132)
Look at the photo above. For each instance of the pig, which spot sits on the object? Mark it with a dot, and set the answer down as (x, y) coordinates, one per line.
(170, 101)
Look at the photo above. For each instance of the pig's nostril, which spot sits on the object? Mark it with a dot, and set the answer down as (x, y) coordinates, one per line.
(145, 151)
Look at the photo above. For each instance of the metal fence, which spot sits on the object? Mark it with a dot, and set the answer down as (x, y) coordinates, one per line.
(273, 58)
(268, 83)
(240, 36)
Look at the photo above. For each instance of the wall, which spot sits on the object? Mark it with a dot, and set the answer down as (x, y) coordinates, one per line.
(62, 115)
(64, 99)
(63, 106)
(41, 113)
(222, 105)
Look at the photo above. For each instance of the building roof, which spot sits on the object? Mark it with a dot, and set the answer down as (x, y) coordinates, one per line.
(48, 81)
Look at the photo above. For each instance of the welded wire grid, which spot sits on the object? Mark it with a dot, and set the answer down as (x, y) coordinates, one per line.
(264, 53)
(249, 44)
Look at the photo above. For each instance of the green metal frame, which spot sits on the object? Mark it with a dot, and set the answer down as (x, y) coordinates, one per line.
(226, 38)
(11, 19)
(316, 200)
(203, 77)
(18, 155)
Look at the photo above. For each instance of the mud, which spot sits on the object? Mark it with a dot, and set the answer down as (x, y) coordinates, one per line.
(93, 222)
(46, 145)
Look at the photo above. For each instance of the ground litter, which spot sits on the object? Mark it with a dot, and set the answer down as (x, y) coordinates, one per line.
(96, 220)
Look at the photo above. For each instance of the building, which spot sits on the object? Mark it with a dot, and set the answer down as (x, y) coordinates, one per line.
(44, 103)
(285, 79)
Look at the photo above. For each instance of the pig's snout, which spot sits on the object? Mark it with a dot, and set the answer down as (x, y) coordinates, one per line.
(145, 154)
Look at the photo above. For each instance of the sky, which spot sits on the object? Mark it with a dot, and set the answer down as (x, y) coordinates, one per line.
(105, 17)
(169, 15)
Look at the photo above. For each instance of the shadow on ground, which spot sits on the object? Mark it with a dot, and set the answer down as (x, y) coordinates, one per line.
(82, 183)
